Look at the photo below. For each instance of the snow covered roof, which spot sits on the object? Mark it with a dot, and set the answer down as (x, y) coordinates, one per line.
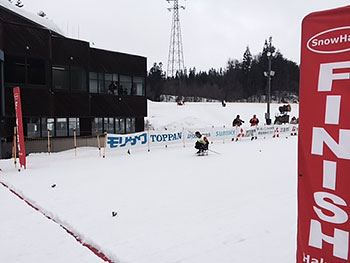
(42, 21)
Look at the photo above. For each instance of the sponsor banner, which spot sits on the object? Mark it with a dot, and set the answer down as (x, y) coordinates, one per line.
(223, 133)
(251, 132)
(284, 129)
(127, 141)
(265, 131)
(165, 138)
(152, 139)
(19, 124)
(324, 138)
(208, 132)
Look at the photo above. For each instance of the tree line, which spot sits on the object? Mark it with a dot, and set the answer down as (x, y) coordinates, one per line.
(240, 80)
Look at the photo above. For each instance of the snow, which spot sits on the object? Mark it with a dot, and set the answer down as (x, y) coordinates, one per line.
(45, 22)
(200, 114)
(171, 205)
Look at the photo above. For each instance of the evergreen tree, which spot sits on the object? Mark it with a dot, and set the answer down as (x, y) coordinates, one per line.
(155, 81)
(238, 80)
(247, 60)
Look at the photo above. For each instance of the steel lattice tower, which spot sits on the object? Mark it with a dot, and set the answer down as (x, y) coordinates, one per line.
(176, 56)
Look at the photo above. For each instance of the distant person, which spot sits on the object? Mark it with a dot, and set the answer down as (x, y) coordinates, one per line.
(202, 143)
(254, 122)
(294, 120)
(223, 103)
(112, 87)
(237, 121)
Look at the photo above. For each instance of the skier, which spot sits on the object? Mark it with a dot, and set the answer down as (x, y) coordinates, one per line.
(202, 143)
(254, 122)
(237, 122)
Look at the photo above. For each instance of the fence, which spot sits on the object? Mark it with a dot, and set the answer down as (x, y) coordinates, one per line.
(153, 139)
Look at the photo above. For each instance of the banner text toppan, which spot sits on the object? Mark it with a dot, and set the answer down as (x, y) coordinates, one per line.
(328, 199)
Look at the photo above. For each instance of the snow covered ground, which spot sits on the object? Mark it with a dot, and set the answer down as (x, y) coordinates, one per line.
(170, 205)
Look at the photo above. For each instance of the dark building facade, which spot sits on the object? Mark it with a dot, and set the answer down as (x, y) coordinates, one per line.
(65, 84)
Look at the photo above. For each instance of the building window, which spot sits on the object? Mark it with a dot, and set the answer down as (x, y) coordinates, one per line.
(108, 86)
(78, 78)
(101, 83)
(73, 123)
(15, 69)
(115, 84)
(61, 127)
(119, 125)
(125, 84)
(93, 82)
(47, 124)
(130, 125)
(36, 71)
(139, 86)
(33, 127)
(97, 126)
(108, 125)
(60, 77)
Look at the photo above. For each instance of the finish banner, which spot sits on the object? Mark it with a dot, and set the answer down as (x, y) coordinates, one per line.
(324, 138)
(19, 124)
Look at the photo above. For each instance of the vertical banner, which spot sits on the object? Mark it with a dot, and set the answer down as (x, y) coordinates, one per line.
(324, 138)
(19, 123)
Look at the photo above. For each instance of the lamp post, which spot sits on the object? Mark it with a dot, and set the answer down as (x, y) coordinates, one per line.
(269, 74)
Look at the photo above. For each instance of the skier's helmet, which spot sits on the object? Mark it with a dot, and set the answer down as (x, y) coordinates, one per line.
(197, 133)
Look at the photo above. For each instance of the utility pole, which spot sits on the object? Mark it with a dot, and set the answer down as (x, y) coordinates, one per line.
(269, 74)
(176, 56)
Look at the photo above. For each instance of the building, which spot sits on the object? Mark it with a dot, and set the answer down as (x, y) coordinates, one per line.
(65, 85)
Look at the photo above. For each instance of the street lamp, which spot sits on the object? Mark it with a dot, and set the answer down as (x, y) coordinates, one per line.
(270, 73)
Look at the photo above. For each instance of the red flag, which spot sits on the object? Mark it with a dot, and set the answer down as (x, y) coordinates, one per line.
(19, 122)
(324, 138)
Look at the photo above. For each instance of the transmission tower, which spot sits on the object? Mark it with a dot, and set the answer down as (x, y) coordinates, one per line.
(176, 56)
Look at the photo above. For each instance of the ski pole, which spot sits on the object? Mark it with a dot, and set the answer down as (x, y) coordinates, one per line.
(214, 151)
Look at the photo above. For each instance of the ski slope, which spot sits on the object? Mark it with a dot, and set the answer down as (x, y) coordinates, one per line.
(169, 204)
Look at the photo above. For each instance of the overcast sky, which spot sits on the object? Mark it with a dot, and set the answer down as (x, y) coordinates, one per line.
(212, 30)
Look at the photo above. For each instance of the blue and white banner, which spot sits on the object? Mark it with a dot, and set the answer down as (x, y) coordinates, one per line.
(165, 138)
(186, 137)
(126, 141)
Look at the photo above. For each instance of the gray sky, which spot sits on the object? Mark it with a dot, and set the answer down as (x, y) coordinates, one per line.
(212, 30)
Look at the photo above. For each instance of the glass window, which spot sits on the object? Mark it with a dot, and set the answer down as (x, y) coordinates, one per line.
(60, 77)
(109, 83)
(119, 125)
(78, 78)
(36, 71)
(93, 82)
(125, 84)
(73, 123)
(130, 125)
(139, 86)
(33, 127)
(108, 125)
(97, 126)
(61, 127)
(115, 84)
(14, 69)
(115, 77)
(101, 83)
(47, 125)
